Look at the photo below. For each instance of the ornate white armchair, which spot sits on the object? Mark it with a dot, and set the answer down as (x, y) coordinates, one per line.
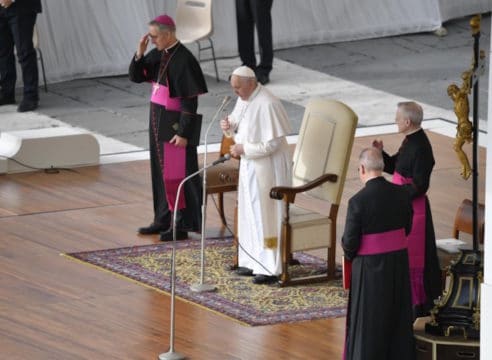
(320, 165)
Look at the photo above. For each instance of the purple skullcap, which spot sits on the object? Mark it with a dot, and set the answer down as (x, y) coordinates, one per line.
(165, 20)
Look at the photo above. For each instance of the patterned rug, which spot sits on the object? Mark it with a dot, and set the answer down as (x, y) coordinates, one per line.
(236, 296)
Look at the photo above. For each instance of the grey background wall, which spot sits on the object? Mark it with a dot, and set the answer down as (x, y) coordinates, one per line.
(91, 38)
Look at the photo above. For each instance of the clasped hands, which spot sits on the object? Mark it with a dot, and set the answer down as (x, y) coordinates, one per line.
(6, 3)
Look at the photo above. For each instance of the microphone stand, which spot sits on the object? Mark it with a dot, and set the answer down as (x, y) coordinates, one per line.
(202, 287)
(171, 354)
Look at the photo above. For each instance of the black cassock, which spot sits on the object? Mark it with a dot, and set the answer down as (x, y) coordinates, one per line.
(177, 69)
(379, 316)
(415, 160)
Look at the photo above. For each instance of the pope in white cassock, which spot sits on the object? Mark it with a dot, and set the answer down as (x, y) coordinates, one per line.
(259, 126)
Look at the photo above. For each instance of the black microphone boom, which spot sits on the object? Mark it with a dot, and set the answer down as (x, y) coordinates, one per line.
(221, 159)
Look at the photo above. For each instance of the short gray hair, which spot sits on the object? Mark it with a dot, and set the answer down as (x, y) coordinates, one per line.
(412, 111)
(372, 159)
(162, 27)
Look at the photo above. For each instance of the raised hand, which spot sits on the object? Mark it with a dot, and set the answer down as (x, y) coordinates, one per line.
(142, 45)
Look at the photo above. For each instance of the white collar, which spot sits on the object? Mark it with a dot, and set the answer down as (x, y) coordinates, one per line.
(413, 131)
(170, 47)
(254, 93)
(371, 178)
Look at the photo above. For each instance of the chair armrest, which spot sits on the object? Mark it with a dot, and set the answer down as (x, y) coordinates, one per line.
(289, 193)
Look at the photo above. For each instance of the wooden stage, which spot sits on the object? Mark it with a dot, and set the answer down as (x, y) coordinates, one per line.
(54, 308)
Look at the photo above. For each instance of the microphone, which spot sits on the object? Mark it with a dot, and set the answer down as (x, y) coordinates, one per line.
(226, 100)
(221, 159)
(224, 103)
(171, 354)
(201, 287)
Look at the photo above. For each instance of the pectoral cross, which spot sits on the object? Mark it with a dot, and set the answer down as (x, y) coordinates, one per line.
(155, 88)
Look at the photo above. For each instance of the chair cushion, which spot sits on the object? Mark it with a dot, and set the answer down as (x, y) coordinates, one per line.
(309, 229)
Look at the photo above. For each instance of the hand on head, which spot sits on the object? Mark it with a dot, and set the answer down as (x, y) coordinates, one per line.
(142, 45)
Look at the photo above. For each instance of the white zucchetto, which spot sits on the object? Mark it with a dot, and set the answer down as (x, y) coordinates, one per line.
(244, 71)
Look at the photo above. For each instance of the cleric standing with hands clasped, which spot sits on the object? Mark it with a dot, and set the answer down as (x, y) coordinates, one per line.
(174, 126)
(259, 125)
(17, 20)
(379, 314)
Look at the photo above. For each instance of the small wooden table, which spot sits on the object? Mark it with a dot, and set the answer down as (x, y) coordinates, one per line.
(430, 347)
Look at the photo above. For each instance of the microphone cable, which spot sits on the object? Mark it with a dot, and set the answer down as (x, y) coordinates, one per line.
(240, 246)
(47, 170)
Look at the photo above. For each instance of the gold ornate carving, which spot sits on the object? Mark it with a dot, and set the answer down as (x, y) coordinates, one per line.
(475, 24)
(451, 328)
(476, 318)
(464, 129)
(229, 177)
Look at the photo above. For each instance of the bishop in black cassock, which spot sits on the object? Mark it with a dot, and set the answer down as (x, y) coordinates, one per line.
(379, 315)
(174, 130)
(411, 167)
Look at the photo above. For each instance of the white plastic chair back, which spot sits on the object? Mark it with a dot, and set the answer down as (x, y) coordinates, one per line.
(193, 20)
(35, 37)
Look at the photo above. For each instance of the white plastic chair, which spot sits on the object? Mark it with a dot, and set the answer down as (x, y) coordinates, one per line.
(194, 23)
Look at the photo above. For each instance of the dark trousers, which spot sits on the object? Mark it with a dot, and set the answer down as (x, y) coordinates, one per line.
(18, 30)
(250, 13)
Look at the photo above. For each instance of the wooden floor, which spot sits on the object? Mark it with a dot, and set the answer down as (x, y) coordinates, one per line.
(54, 308)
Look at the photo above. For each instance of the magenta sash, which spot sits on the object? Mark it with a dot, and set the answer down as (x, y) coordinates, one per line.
(384, 242)
(372, 244)
(416, 244)
(174, 160)
(174, 171)
(160, 96)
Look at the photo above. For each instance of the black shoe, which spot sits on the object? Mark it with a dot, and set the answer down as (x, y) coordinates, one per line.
(263, 79)
(152, 229)
(244, 271)
(27, 105)
(265, 279)
(168, 235)
(7, 100)
(294, 262)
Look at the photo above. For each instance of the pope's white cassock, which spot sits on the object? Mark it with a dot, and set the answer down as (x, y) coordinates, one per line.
(261, 125)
